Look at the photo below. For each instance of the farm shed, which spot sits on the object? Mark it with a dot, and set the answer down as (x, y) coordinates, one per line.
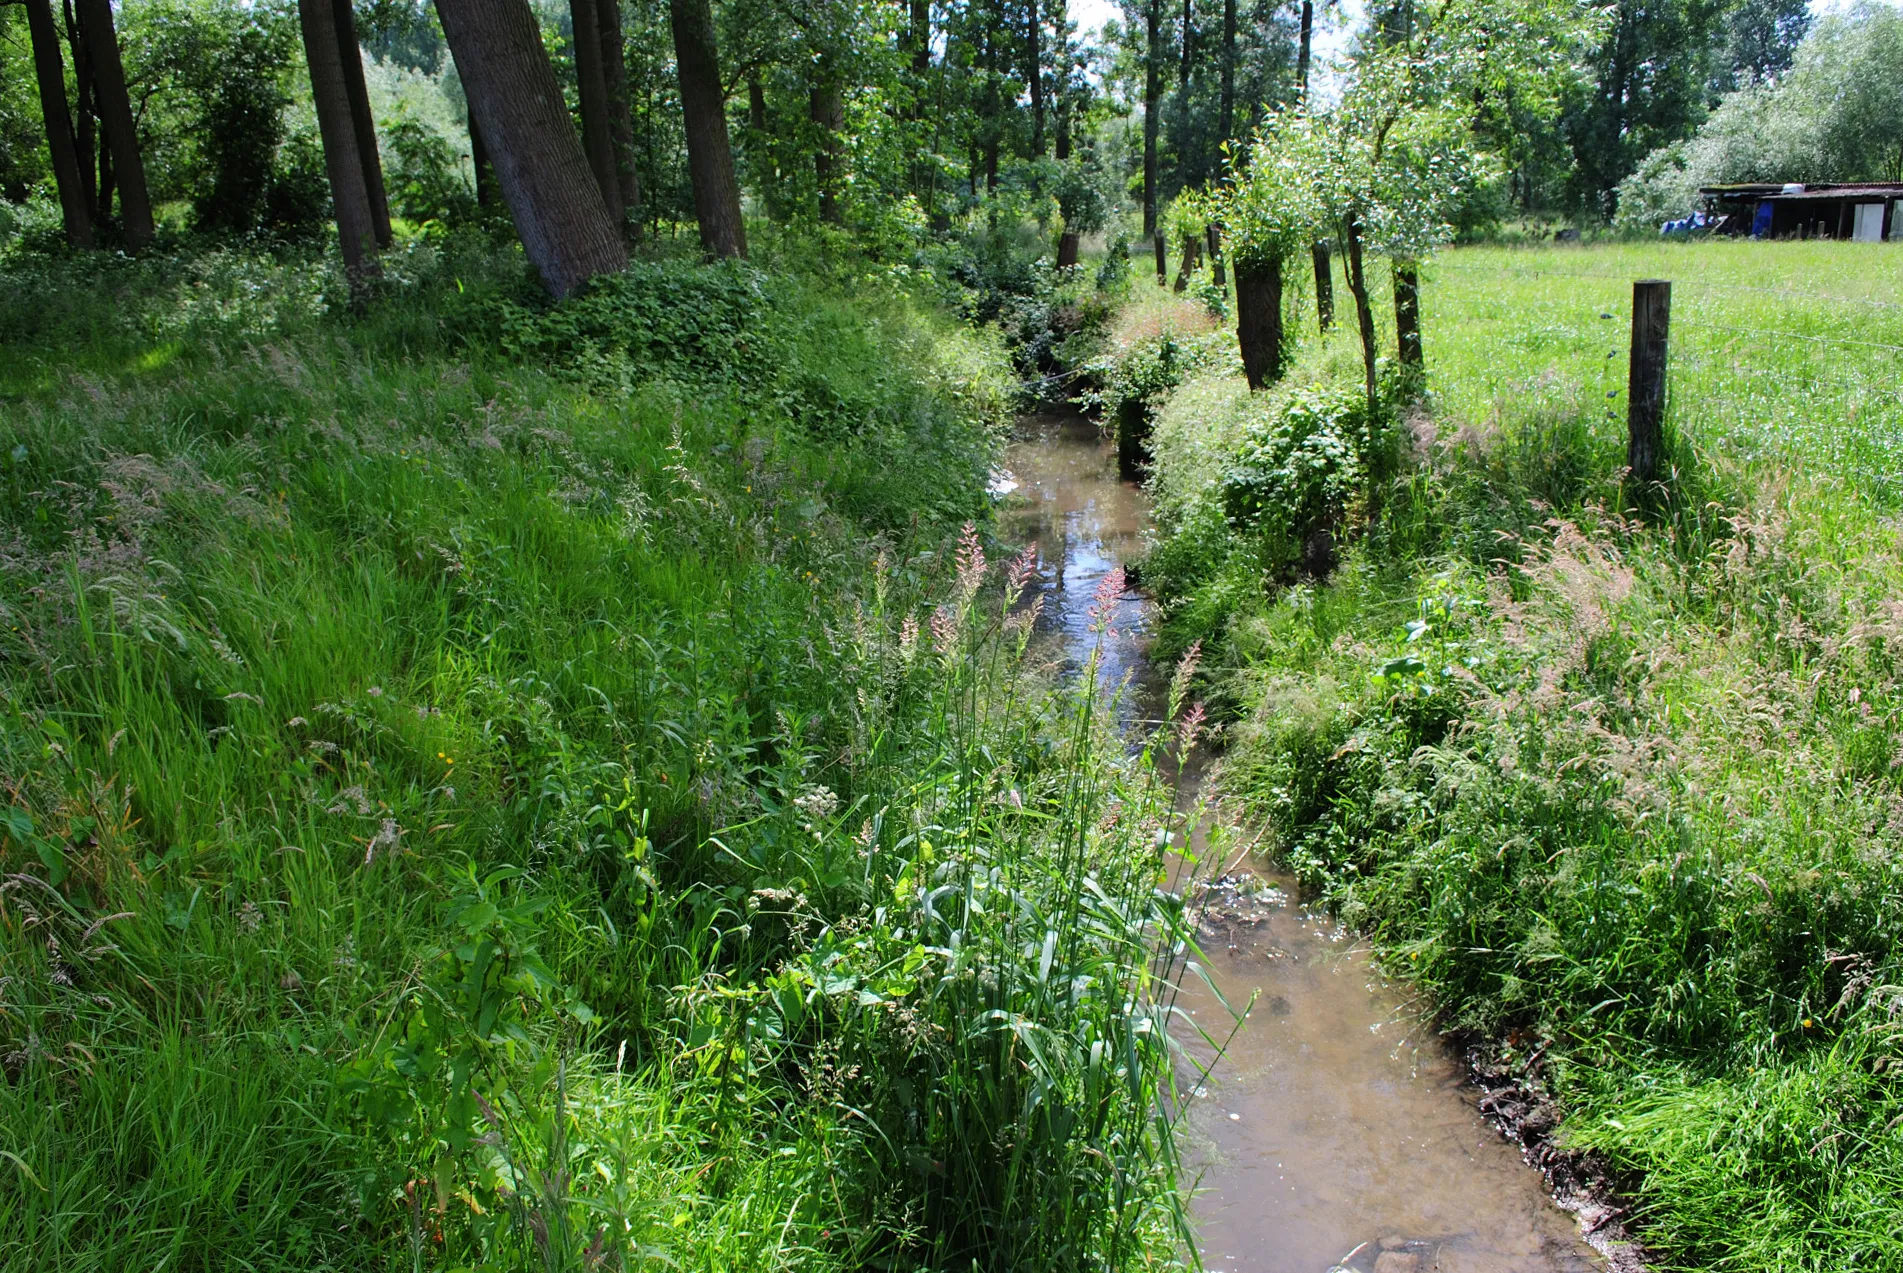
(1867, 213)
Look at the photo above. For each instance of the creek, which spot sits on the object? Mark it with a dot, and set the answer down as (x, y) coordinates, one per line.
(1337, 1132)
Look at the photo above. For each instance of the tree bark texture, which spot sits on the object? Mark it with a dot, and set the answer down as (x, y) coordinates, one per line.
(115, 113)
(50, 69)
(485, 174)
(1407, 316)
(827, 110)
(709, 151)
(1259, 320)
(85, 135)
(361, 121)
(1364, 311)
(1152, 104)
(591, 91)
(1302, 49)
(614, 75)
(349, 197)
(1324, 286)
(539, 163)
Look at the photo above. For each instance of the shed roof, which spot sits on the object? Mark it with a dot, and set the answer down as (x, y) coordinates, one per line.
(1814, 190)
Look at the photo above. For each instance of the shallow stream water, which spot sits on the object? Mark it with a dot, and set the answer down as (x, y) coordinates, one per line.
(1337, 1131)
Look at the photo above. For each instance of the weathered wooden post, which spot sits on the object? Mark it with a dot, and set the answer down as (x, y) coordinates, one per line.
(1645, 384)
(1162, 259)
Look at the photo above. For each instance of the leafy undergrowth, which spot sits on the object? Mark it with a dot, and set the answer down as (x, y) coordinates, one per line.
(493, 786)
(1624, 792)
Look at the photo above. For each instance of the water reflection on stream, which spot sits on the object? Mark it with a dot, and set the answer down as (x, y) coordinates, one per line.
(1337, 1132)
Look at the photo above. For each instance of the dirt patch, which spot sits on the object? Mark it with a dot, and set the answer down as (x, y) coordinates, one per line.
(1513, 1097)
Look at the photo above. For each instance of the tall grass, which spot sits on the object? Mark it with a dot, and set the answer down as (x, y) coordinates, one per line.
(1620, 791)
(490, 786)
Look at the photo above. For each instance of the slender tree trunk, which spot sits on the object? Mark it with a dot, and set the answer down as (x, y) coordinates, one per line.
(993, 126)
(115, 112)
(709, 151)
(919, 36)
(1407, 316)
(827, 110)
(1302, 49)
(1227, 122)
(1324, 286)
(591, 91)
(1187, 161)
(350, 198)
(1214, 235)
(1259, 320)
(361, 121)
(1152, 104)
(1364, 311)
(614, 76)
(539, 162)
(1034, 73)
(85, 134)
(50, 68)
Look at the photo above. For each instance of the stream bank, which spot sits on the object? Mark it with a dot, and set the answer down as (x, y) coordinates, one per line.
(1339, 1131)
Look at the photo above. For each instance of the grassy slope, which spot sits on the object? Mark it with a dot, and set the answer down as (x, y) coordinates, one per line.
(370, 692)
(1626, 795)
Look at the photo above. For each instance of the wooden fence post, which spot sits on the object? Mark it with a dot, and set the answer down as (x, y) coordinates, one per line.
(1645, 384)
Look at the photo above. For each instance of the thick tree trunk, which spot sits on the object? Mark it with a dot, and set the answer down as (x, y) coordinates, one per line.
(1324, 286)
(1227, 123)
(361, 121)
(50, 68)
(1152, 104)
(1192, 257)
(115, 113)
(614, 75)
(827, 110)
(539, 163)
(1259, 320)
(350, 199)
(1407, 316)
(1068, 244)
(709, 151)
(591, 91)
(1364, 311)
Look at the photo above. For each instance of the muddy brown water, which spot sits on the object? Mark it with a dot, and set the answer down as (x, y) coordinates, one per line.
(1337, 1132)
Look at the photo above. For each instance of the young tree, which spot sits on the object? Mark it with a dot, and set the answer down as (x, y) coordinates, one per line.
(50, 70)
(709, 152)
(115, 113)
(1277, 199)
(349, 194)
(539, 164)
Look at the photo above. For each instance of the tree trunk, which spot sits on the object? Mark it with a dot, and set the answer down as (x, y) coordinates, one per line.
(539, 163)
(75, 215)
(362, 123)
(1192, 257)
(1162, 259)
(115, 112)
(591, 92)
(1034, 74)
(919, 36)
(1214, 235)
(827, 110)
(614, 75)
(709, 152)
(1152, 102)
(1324, 287)
(1364, 312)
(350, 199)
(85, 135)
(1407, 316)
(1067, 248)
(1259, 320)
(1227, 123)
(1302, 50)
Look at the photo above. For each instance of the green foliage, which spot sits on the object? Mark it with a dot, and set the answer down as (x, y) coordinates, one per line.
(1617, 794)
(423, 175)
(1298, 469)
